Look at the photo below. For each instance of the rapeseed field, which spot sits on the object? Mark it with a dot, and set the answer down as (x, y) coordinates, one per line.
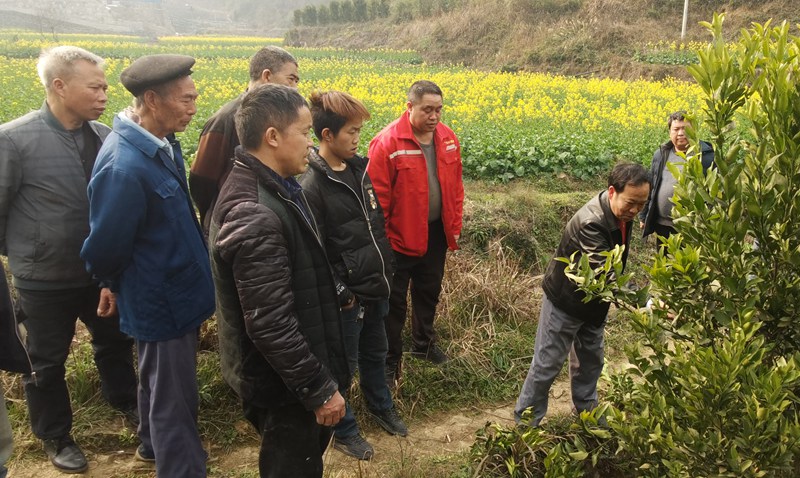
(510, 124)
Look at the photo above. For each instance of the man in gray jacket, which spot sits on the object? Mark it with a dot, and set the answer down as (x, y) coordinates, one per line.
(46, 158)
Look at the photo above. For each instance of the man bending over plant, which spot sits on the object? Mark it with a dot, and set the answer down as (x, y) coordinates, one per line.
(567, 324)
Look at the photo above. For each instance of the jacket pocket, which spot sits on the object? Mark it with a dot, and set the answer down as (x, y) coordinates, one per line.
(351, 264)
(410, 161)
(172, 201)
(189, 295)
(450, 157)
(411, 175)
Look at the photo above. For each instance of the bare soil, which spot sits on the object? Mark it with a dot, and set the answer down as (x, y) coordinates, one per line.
(440, 436)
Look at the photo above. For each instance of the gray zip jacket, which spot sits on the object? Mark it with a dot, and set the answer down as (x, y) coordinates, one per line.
(44, 209)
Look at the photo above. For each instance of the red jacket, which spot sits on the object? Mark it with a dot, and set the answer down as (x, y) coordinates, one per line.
(399, 173)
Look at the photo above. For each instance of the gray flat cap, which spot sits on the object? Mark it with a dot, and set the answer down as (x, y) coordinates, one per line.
(153, 70)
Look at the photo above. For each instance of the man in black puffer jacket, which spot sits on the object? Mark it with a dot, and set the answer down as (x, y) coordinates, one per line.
(280, 330)
(351, 222)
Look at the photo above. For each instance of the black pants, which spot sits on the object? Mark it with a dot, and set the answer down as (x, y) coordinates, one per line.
(292, 442)
(49, 317)
(425, 274)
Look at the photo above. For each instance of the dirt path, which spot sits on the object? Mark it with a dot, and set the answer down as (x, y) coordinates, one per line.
(441, 436)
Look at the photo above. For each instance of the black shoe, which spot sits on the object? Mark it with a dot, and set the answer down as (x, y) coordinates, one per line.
(390, 421)
(355, 446)
(432, 354)
(145, 455)
(65, 455)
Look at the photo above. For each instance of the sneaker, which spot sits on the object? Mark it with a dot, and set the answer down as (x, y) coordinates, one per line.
(65, 455)
(432, 354)
(355, 446)
(145, 455)
(390, 421)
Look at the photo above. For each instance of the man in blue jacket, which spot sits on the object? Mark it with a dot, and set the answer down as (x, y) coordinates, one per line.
(146, 243)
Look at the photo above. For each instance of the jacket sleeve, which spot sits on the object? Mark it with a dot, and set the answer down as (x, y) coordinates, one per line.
(653, 171)
(459, 195)
(207, 169)
(252, 242)
(592, 240)
(381, 173)
(117, 209)
(10, 180)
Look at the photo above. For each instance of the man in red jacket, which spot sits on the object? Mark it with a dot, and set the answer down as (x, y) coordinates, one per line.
(415, 166)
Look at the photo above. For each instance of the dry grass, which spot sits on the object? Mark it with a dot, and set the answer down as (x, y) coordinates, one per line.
(591, 37)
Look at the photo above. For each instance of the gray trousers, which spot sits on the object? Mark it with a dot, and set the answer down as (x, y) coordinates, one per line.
(168, 402)
(558, 335)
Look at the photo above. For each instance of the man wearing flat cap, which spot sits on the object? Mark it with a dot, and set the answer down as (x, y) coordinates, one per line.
(145, 243)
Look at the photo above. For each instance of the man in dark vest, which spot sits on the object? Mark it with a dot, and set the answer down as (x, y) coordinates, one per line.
(46, 158)
(218, 140)
(280, 328)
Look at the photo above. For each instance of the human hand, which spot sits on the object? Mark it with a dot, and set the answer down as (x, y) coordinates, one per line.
(329, 413)
(641, 224)
(351, 304)
(107, 306)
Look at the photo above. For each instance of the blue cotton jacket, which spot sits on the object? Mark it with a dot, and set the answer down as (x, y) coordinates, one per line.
(145, 241)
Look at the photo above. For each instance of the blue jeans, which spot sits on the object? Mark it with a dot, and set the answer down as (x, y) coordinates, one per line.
(365, 341)
(560, 335)
(6, 437)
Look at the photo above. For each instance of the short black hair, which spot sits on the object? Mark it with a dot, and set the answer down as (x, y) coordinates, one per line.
(421, 88)
(676, 116)
(624, 174)
(266, 106)
(270, 58)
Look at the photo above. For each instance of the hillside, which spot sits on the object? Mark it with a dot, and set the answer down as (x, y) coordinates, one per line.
(152, 17)
(576, 37)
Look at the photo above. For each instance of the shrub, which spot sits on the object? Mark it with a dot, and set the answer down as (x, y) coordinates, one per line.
(710, 390)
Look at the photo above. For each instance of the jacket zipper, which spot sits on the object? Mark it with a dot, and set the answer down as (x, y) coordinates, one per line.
(369, 224)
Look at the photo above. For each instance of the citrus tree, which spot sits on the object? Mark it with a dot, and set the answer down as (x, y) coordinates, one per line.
(711, 387)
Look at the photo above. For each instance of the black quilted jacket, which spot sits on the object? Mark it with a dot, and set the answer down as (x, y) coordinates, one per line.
(277, 309)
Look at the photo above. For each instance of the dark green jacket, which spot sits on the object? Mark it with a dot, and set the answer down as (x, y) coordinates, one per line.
(278, 315)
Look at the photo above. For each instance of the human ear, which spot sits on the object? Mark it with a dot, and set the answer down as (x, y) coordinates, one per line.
(272, 137)
(150, 99)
